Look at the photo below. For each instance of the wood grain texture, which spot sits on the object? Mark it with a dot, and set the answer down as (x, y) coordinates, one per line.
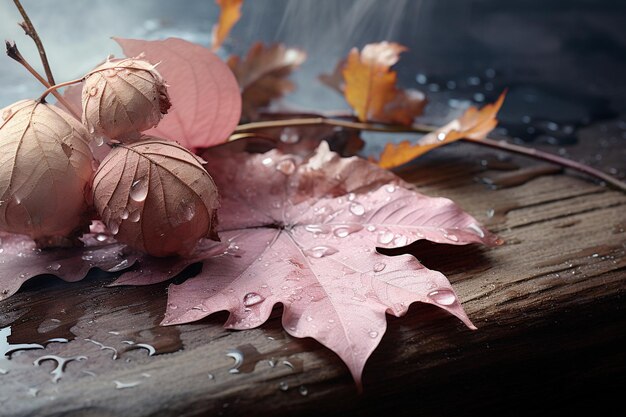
(548, 306)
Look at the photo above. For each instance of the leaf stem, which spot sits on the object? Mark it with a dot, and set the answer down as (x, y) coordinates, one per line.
(14, 53)
(53, 88)
(419, 128)
(29, 30)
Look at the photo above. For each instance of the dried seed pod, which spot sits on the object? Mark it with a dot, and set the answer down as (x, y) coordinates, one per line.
(123, 97)
(45, 171)
(155, 196)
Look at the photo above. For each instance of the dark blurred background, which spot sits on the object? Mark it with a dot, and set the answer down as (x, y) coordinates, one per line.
(563, 61)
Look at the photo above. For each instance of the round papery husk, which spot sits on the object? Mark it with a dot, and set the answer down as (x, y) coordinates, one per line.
(46, 169)
(155, 196)
(123, 97)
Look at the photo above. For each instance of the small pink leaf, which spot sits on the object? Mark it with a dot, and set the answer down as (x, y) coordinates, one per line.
(20, 260)
(303, 232)
(206, 100)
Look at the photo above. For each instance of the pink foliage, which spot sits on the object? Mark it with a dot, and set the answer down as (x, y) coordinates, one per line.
(303, 232)
(205, 96)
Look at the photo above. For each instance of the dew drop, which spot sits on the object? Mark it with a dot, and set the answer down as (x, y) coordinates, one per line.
(309, 318)
(443, 297)
(99, 140)
(6, 114)
(491, 212)
(373, 334)
(379, 266)
(252, 298)
(54, 266)
(303, 391)
(124, 214)
(114, 227)
(267, 161)
(390, 188)
(343, 231)
(357, 209)
(400, 240)
(385, 237)
(289, 135)
(186, 211)
(320, 251)
(134, 216)
(101, 238)
(451, 236)
(476, 229)
(139, 190)
(286, 166)
(283, 386)
(93, 91)
(317, 228)
(371, 228)
(441, 136)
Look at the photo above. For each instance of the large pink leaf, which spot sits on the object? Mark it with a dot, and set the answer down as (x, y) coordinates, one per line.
(205, 96)
(303, 232)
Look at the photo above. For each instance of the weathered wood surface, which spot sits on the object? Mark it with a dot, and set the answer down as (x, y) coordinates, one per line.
(548, 305)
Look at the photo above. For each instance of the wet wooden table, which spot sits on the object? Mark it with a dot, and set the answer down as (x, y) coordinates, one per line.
(548, 305)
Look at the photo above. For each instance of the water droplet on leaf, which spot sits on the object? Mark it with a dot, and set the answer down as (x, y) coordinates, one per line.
(379, 266)
(252, 298)
(443, 297)
(139, 190)
(357, 209)
(320, 251)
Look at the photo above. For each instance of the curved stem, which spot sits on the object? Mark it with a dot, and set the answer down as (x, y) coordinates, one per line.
(55, 87)
(313, 121)
(377, 127)
(29, 29)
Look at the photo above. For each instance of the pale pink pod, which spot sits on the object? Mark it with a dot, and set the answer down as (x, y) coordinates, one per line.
(123, 97)
(45, 171)
(155, 196)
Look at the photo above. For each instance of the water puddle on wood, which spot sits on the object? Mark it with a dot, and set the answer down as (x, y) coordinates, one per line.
(89, 316)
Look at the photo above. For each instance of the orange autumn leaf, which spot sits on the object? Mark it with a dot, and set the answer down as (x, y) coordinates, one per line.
(370, 85)
(263, 75)
(230, 13)
(473, 124)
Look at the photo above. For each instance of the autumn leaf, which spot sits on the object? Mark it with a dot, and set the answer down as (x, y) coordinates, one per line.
(369, 85)
(230, 13)
(206, 102)
(263, 75)
(474, 124)
(303, 232)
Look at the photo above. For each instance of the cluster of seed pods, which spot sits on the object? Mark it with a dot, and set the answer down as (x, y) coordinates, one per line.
(152, 194)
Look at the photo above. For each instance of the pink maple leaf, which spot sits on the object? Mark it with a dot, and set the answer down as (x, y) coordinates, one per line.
(303, 232)
(206, 100)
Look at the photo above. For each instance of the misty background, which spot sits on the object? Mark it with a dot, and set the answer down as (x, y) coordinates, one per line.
(563, 61)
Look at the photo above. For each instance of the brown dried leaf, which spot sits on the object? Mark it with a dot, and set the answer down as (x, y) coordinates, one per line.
(262, 75)
(230, 13)
(156, 197)
(474, 124)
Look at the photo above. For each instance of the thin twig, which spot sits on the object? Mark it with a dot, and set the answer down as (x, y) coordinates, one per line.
(491, 143)
(15, 54)
(55, 87)
(29, 29)
(316, 121)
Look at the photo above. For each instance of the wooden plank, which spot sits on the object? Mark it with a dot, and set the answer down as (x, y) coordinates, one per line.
(548, 305)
